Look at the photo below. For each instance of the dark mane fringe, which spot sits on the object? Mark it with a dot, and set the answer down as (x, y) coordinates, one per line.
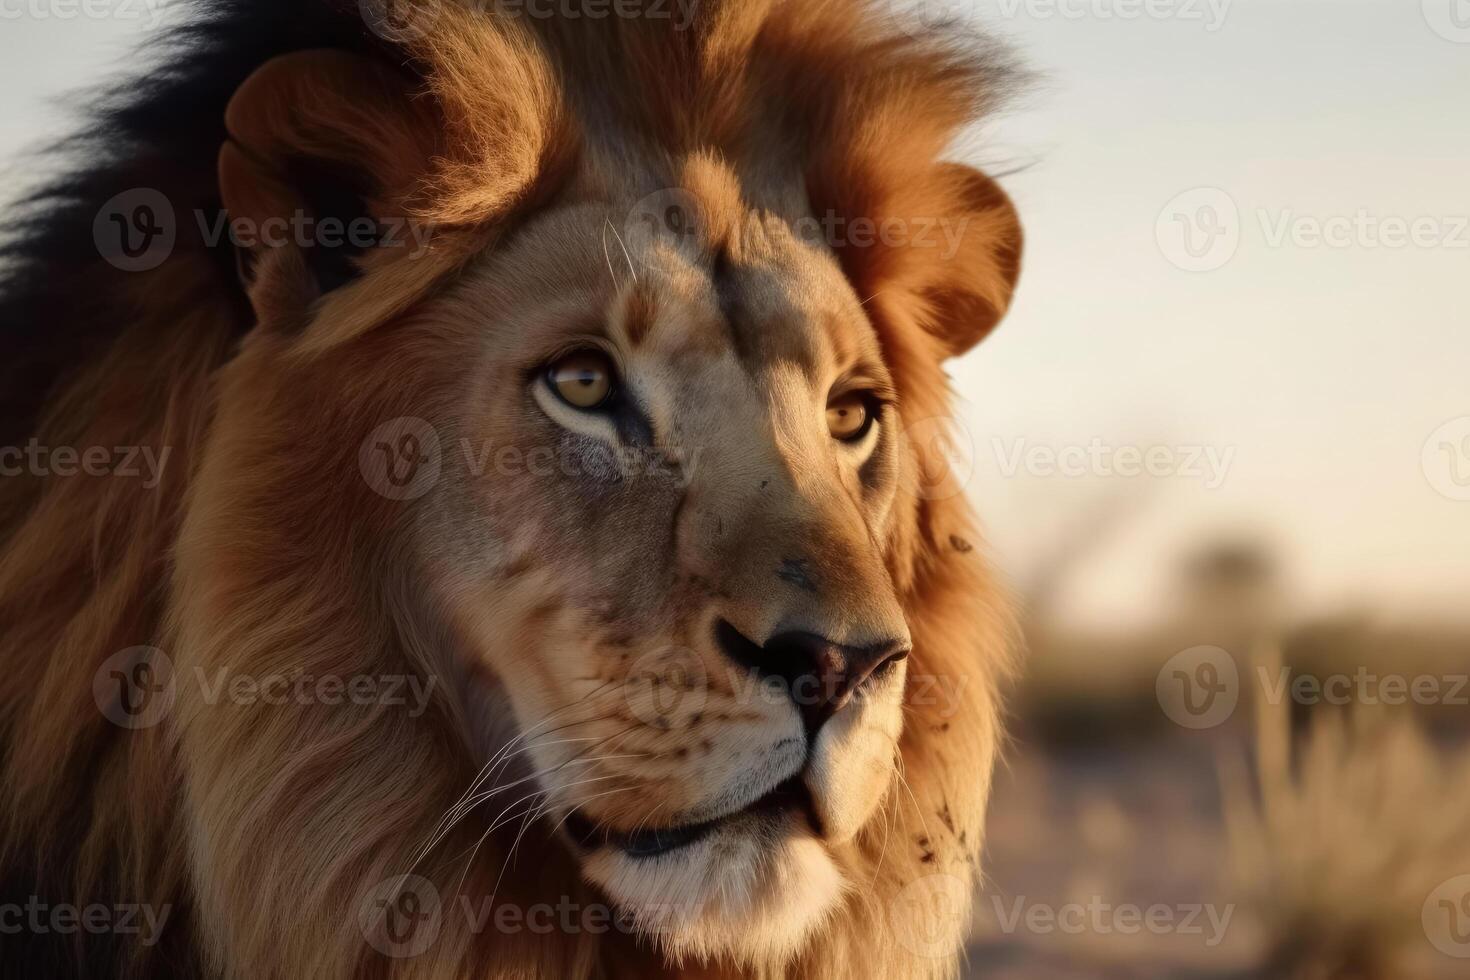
(64, 312)
(160, 128)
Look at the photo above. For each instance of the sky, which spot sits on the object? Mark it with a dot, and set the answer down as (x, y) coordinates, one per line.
(1325, 361)
(1247, 261)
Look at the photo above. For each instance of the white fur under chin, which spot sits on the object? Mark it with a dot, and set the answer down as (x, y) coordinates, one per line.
(753, 892)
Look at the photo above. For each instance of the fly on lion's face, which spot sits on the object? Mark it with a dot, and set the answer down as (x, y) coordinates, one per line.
(715, 695)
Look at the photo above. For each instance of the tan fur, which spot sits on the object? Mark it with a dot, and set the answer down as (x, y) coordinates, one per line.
(525, 144)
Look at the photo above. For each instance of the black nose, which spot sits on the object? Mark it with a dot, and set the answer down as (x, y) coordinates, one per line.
(821, 676)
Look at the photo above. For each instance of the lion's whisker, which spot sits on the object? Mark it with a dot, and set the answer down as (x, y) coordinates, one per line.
(497, 762)
(628, 258)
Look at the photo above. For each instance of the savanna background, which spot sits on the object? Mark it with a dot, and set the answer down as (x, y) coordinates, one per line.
(1221, 447)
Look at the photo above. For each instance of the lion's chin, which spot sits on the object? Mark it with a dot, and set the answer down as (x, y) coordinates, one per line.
(753, 890)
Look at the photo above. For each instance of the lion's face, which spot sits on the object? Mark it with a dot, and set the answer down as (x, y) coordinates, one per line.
(677, 475)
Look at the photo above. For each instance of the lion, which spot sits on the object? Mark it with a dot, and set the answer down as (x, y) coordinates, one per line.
(553, 565)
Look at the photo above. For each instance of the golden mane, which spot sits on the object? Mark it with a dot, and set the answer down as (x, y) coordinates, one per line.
(95, 812)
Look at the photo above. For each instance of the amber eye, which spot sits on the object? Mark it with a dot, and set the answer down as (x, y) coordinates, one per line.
(848, 417)
(583, 379)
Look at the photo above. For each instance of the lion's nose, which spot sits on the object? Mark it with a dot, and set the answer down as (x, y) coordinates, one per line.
(820, 675)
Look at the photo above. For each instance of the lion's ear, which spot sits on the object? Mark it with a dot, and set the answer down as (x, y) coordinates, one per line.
(325, 150)
(969, 288)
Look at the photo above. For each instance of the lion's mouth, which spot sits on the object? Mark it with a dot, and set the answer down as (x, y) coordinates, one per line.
(790, 796)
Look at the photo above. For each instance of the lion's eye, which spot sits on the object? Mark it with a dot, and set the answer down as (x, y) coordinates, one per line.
(848, 417)
(583, 379)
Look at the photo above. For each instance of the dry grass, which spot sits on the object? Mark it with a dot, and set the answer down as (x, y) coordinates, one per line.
(1344, 834)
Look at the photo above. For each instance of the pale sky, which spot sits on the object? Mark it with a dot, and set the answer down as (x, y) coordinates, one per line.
(1325, 368)
(1311, 368)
